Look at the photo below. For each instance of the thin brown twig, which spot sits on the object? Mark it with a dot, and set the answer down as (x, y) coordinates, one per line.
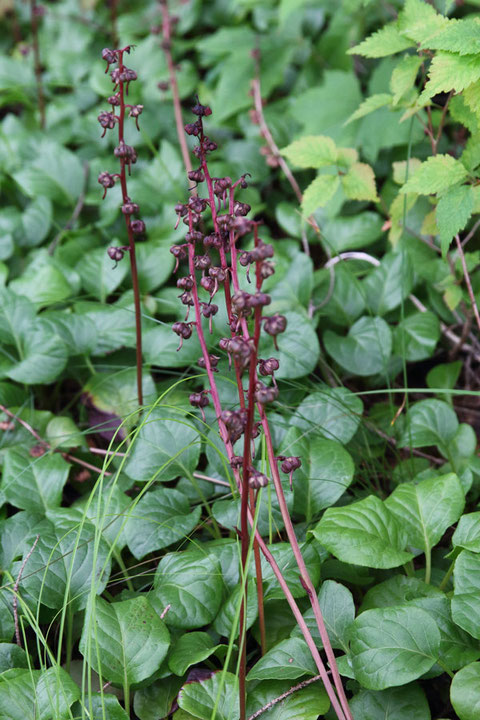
(177, 108)
(75, 214)
(47, 445)
(467, 280)
(472, 232)
(294, 689)
(15, 591)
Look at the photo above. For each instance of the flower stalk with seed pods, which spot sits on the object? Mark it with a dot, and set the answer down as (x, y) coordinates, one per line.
(121, 77)
(214, 254)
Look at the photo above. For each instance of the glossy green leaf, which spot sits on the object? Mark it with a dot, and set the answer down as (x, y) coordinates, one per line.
(61, 566)
(467, 533)
(453, 212)
(465, 692)
(365, 350)
(427, 509)
(393, 646)
(290, 659)
(390, 283)
(124, 642)
(34, 484)
(416, 336)
(160, 518)
(44, 356)
(166, 447)
(12, 656)
(100, 706)
(220, 692)
(327, 470)
(285, 559)
(352, 232)
(429, 422)
(299, 349)
(32, 693)
(332, 412)
(466, 598)
(154, 701)
(191, 583)
(224, 622)
(364, 533)
(408, 701)
(190, 649)
(338, 610)
(307, 703)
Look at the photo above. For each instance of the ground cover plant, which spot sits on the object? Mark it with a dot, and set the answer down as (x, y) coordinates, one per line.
(239, 333)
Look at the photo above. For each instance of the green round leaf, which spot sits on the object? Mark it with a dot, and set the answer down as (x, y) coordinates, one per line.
(393, 646)
(408, 701)
(124, 642)
(465, 692)
(365, 350)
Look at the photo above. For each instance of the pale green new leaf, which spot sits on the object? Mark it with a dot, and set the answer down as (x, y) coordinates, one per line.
(403, 169)
(453, 211)
(427, 509)
(359, 183)
(319, 192)
(458, 36)
(465, 692)
(386, 41)
(314, 151)
(393, 646)
(369, 105)
(419, 21)
(437, 173)
(403, 76)
(364, 533)
(124, 642)
(449, 71)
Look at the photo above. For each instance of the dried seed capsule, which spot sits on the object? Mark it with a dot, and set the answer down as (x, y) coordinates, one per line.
(236, 462)
(185, 283)
(129, 208)
(194, 236)
(265, 394)
(193, 129)
(183, 330)
(213, 240)
(202, 262)
(138, 226)
(110, 56)
(257, 479)
(274, 325)
(201, 110)
(268, 367)
(196, 175)
(289, 465)
(266, 270)
(115, 253)
(213, 362)
(198, 205)
(114, 100)
(107, 180)
(241, 209)
(208, 284)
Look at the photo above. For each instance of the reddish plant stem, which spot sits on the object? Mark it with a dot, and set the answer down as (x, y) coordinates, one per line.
(177, 108)
(37, 62)
(131, 239)
(468, 282)
(293, 539)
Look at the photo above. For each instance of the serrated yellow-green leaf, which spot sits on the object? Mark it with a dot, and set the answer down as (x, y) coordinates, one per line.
(476, 199)
(404, 169)
(419, 21)
(359, 183)
(453, 212)
(471, 154)
(451, 72)
(461, 113)
(374, 102)
(404, 75)
(319, 192)
(312, 151)
(435, 175)
(386, 41)
(471, 96)
(460, 36)
(346, 156)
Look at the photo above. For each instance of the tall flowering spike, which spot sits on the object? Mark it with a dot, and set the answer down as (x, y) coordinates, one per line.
(214, 256)
(114, 119)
